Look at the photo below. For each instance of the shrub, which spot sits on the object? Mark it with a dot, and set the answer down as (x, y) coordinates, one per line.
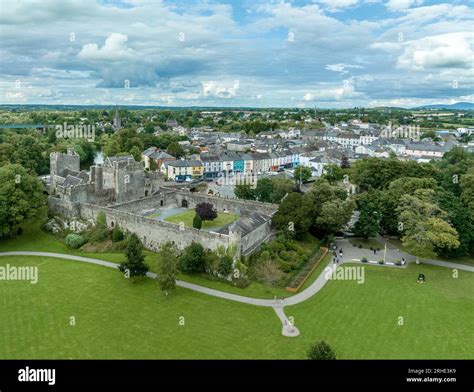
(364, 260)
(19, 231)
(225, 265)
(321, 350)
(242, 282)
(381, 262)
(193, 260)
(99, 232)
(117, 234)
(197, 222)
(398, 262)
(74, 241)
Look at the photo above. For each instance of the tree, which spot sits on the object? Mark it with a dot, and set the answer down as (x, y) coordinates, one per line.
(281, 187)
(467, 192)
(368, 223)
(245, 191)
(334, 215)
(134, 265)
(206, 211)
(21, 198)
(193, 259)
(197, 222)
(333, 173)
(175, 150)
(166, 267)
(153, 165)
(112, 147)
(321, 351)
(293, 215)
(302, 174)
(424, 229)
(263, 190)
(136, 153)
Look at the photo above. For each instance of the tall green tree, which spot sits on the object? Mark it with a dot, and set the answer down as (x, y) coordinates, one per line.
(302, 174)
(424, 227)
(134, 265)
(293, 215)
(21, 198)
(175, 150)
(166, 267)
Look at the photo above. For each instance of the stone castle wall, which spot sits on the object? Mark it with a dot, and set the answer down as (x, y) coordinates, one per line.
(151, 232)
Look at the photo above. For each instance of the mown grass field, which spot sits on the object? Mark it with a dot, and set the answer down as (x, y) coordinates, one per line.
(116, 318)
(187, 218)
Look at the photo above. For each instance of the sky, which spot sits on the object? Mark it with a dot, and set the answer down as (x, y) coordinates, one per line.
(250, 53)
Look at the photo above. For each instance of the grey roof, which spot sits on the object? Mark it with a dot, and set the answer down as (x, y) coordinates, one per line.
(149, 151)
(246, 224)
(71, 181)
(185, 163)
(124, 158)
(161, 155)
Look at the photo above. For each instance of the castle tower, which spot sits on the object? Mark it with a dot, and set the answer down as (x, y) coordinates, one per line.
(59, 162)
(235, 233)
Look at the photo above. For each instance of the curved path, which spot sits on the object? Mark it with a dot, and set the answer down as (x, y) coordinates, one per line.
(288, 329)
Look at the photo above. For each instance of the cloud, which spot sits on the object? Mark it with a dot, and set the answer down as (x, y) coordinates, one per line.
(114, 49)
(337, 5)
(341, 68)
(453, 50)
(219, 89)
(139, 41)
(401, 5)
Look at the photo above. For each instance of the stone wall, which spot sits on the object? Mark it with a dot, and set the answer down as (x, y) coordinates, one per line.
(151, 232)
(221, 204)
(254, 239)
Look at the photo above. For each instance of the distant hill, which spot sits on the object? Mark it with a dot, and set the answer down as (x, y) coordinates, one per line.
(455, 106)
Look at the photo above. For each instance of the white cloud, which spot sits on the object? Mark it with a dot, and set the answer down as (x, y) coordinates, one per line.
(114, 48)
(401, 5)
(453, 50)
(337, 5)
(341, 68)
(220, 90)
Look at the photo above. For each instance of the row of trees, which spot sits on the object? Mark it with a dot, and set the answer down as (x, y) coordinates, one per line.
(193, 260)
(429, 206)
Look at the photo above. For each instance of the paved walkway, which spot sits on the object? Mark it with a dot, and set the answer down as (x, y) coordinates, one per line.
(288, 329)
(351, 252)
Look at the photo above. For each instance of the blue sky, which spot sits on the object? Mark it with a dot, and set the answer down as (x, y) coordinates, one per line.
(325, 53)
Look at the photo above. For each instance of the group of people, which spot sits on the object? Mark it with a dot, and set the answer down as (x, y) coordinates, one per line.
(335, 258)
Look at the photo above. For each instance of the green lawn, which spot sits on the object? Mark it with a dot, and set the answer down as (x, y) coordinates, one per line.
(119, 319)
(35, 239)
(188, 216)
